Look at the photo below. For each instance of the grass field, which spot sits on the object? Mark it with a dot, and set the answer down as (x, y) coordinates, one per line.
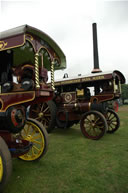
(74, 164)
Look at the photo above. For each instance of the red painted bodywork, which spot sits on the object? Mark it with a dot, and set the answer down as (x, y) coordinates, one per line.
(17, 44)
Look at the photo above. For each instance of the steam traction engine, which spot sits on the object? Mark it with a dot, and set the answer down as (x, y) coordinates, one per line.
(26, 56)
(85, 99)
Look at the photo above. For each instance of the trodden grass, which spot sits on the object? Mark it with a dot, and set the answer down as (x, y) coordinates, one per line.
(74, 164)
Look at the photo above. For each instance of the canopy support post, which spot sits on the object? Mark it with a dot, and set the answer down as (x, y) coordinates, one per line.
(52, 75)
(37, 71)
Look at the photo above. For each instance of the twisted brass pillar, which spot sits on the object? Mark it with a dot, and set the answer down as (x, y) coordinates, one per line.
(52, 75)
(37, 71)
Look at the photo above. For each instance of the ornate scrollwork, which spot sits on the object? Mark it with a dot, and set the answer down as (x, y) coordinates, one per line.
(2, 45)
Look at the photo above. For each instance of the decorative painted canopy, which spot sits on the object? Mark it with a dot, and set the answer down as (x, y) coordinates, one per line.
(92, 78)
(24, 41)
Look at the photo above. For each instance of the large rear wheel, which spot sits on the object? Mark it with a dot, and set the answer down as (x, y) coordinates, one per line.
(44, 113)
(93, 125)
(5, 164)
(36, 134)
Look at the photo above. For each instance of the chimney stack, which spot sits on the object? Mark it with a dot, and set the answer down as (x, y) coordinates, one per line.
(95, 49)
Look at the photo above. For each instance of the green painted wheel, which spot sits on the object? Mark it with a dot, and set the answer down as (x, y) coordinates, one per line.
(5, 164)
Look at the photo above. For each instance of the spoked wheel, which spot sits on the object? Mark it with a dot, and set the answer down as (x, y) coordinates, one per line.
(112, 120)
(35, 133)
(93, 125)
(44, 113)
(5, 164)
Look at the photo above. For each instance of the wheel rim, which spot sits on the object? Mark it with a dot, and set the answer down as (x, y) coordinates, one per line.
(33, 134)
(113, 121)
(93, 125)
(1, 169)
(41, 112)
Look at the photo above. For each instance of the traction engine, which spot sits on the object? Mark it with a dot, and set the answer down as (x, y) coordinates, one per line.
(84, 99)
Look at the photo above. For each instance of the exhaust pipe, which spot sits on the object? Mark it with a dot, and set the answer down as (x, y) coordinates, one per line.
(95, 49)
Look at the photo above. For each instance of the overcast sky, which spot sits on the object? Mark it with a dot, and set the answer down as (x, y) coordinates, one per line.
(69, 23)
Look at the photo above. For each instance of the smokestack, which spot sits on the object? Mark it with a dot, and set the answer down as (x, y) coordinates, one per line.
(95, 49)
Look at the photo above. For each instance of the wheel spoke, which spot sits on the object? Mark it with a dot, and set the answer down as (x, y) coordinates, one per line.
(96, 120)
(111, 118)
(88, 120)
(42, 107)
(94, 133)
(45, 120)
(37, 142)
(35, 111)
(36, 137)
(37, 118)
(33, 132)
(35, 147)
(108, 115)
(112, 125)
(45, 109)
(33, 153)
(47, 115)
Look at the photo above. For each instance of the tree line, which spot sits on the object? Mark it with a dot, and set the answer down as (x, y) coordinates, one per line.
(124, 95)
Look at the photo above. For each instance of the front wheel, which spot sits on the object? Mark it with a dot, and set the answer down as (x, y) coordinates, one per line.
(93, 125)
(36, 134)
(5, 164)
